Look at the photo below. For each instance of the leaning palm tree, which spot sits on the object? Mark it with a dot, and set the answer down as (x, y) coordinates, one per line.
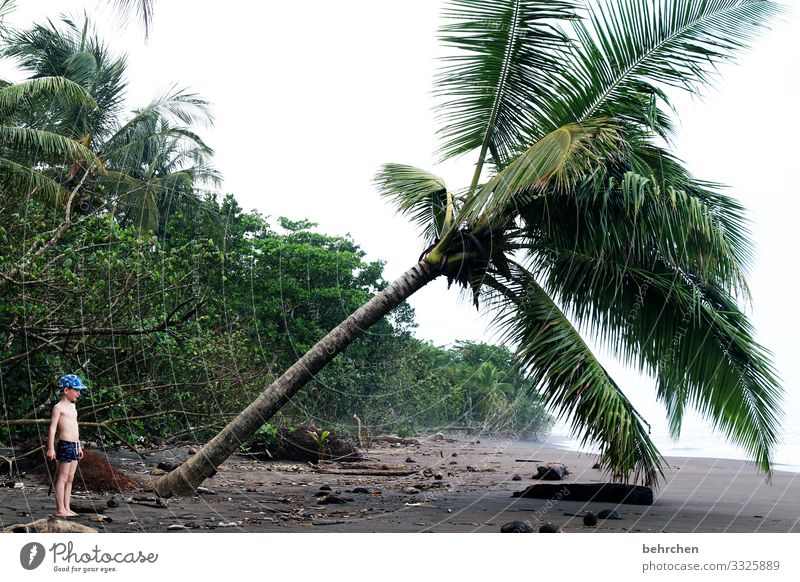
(578, 217)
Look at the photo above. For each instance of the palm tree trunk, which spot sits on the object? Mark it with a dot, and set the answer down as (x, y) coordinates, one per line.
(185, 479)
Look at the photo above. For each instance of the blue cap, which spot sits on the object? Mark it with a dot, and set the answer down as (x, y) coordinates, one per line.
(71, 381)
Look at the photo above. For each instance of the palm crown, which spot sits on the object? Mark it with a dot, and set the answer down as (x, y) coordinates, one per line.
(586, 219)
(62, 127)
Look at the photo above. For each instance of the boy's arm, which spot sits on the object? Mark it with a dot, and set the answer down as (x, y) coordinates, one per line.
(51, 435)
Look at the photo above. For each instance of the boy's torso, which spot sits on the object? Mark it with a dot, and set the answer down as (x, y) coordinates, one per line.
(68, 422)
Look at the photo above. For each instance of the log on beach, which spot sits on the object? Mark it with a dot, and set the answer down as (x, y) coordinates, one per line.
(601, 492)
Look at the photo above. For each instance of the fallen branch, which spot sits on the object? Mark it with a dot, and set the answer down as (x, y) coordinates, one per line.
(603, 492)
(368, 472)
(395, 440)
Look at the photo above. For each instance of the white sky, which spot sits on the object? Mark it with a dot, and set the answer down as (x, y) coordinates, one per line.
(310, 98)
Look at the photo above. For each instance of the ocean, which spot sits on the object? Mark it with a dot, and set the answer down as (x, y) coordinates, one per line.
(786, 456)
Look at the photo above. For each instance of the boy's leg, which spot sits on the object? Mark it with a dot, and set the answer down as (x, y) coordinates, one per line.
(62, 473)
(73, 466)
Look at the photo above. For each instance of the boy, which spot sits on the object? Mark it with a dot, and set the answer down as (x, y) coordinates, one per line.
(68, 451)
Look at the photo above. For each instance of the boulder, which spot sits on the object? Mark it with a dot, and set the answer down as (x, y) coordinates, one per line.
(516, 527)
(169, 464)
(299, 445)
(551, 472)
(49, 525)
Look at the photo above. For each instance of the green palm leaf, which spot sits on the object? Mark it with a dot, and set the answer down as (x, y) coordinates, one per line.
(559, 160)
(23, 180)
(418, 194)
(16, 95)
(496, 83)
(689, 334)
(142, 8)
(633, 48)
(571, 380)
(45, 145)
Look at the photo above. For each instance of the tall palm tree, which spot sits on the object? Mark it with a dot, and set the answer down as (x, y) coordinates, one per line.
(153, 161)
(579, 217)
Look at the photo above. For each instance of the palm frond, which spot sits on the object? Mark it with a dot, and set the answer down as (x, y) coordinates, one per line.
(142, 8)
(559, 160)
(617, 65)
(571, 381)
(16, 95)
(687, 333)
(418, 194)
(23, 180)
(45, 145)
(496, 83)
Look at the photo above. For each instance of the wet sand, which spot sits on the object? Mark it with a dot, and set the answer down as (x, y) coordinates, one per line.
(473, 495)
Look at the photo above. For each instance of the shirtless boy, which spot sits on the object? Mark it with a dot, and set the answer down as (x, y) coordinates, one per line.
(68, 449)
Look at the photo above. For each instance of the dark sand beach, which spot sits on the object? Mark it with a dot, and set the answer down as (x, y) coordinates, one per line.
(472, 494)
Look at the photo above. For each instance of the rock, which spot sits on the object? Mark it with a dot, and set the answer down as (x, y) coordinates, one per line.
(325, 488)
(100, 518)
(158, 472)
(176, 526)
(168, 464)
(252, 490)
(477, 442)
(191, 451)
(516, 477)
(112, 503)
(454, 455)
(453, 463)
(438, 437)
(363, 490)
(410, 460)
(205, 491)
(49, 525)
(597, 466)
(609, 514)
(438, 476)
(516, 527)
(157, 441)
(590, 519)
(410, 490)
(331, 499)
(427, 472)
(299, 445)
(551, 472)
(550, 528)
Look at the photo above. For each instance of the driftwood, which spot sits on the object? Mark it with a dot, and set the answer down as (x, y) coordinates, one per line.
(603, 492)
(369, 472)
(49, 525)
(395, 440)
(367, 469)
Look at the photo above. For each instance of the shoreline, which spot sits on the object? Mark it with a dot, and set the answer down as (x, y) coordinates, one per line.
(790, 461)
(473, 494)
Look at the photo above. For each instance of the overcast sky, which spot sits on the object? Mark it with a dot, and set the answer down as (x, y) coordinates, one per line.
(310, 98)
